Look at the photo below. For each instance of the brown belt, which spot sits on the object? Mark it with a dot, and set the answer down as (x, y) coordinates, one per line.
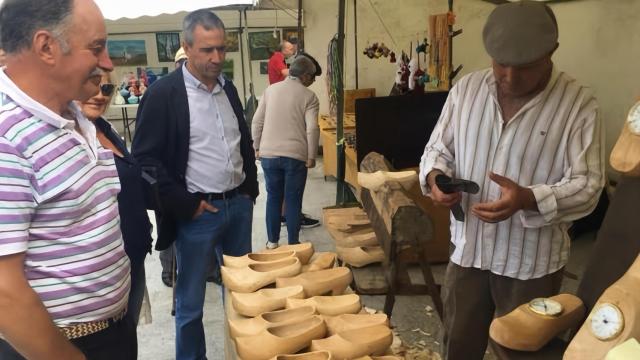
(87, 328)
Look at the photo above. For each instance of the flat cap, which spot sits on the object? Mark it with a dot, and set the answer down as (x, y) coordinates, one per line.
(520, 33)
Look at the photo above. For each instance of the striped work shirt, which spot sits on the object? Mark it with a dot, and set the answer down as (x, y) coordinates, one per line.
(58, 206)
(553, 145)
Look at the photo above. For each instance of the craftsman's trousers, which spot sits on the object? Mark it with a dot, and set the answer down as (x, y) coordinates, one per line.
(472, 297)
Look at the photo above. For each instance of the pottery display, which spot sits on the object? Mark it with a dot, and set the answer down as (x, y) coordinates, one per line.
(255, 276)
(316, 355)
(345, 322)
(360, 256)
(264, 300)
(252, 258)
(282, 339)
(532, 325)
(332, 281)
(255, 325)
(320, 261)
(303, 251)
(355, 240)
(375, 181)
(374, 340)
(329, 305)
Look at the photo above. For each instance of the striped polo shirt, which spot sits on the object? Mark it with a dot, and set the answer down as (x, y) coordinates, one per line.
(554, 145)
(58, 206)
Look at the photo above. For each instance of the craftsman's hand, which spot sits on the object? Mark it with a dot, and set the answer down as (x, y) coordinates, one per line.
(437, 195)
(204, 206)
(311, 163)
(513, 198)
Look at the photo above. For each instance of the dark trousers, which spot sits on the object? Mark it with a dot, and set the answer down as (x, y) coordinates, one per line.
(472, 297)
(118, 341)
(285, 179)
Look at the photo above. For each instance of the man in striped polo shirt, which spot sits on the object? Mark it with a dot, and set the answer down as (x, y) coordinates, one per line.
(531, 137)
(64, 275)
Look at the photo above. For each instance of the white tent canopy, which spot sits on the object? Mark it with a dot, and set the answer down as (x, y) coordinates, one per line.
(116, 9)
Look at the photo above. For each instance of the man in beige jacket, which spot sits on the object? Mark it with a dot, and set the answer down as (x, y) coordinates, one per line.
(285, 133)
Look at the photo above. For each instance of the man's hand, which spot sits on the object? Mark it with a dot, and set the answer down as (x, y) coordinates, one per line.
(204, 206)
(311, 163)
(438, 196)
(513, 198)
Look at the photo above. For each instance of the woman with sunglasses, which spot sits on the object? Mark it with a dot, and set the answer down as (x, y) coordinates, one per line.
(134, 222)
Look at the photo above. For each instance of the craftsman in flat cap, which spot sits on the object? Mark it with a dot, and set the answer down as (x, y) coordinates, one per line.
(531, 138)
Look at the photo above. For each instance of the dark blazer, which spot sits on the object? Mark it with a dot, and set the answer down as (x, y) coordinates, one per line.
(161, 146)
(134, 222)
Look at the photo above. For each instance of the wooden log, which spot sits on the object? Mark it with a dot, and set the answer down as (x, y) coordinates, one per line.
(403, 219)
(402, 228)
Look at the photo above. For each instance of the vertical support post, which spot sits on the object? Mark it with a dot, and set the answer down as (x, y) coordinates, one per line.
(343, 193)
(300, 37)
(241, 44)
(355, 38)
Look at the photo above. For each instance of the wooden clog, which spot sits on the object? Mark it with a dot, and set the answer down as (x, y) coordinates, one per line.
(374, 340)
(282, 339)
(303, 251)
(333, 281)
(355, 240)
(345, 322)
(320, 261)
(360, 256)
(329, 305)
(625, 156)
(253, 258)
(316, 355)
(264, 300)
(255, 325)
(255, 276)
(375, 181)
(615, 318)
(525, 330)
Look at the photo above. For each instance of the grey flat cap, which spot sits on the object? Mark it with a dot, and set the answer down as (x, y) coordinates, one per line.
(520, 33)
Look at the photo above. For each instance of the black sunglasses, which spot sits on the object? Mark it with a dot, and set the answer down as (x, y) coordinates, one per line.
(107, 89)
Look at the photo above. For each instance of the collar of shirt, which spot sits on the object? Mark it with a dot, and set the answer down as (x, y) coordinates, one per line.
(10, 89)
(190, 79)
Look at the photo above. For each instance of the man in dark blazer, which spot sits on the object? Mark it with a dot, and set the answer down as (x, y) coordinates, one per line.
(192, 134)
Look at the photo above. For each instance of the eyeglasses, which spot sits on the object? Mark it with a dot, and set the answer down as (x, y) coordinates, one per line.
(107, 89)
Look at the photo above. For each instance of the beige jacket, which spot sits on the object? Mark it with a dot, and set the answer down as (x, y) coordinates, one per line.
(286, 121)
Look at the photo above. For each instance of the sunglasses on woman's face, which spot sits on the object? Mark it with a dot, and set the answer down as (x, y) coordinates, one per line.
(107, 89)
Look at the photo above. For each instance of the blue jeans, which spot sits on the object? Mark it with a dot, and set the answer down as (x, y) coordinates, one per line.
(285, 179)
(228, 231)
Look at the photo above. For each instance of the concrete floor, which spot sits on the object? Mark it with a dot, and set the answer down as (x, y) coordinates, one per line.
(415, 326)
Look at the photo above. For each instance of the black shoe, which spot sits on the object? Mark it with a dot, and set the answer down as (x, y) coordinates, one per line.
(167, 280)
(307, 222)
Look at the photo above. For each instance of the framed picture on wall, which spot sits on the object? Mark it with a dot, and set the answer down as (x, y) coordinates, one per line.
(168, 44)
(262, 44)
(292, 34)
(264, 67)
(231, 41)
(227, 69)
(127, 52)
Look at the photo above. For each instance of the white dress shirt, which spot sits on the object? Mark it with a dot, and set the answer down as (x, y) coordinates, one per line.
(215, 162)
(553, 145)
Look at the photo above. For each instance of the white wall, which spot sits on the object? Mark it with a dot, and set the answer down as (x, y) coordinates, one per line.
(599, 44)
